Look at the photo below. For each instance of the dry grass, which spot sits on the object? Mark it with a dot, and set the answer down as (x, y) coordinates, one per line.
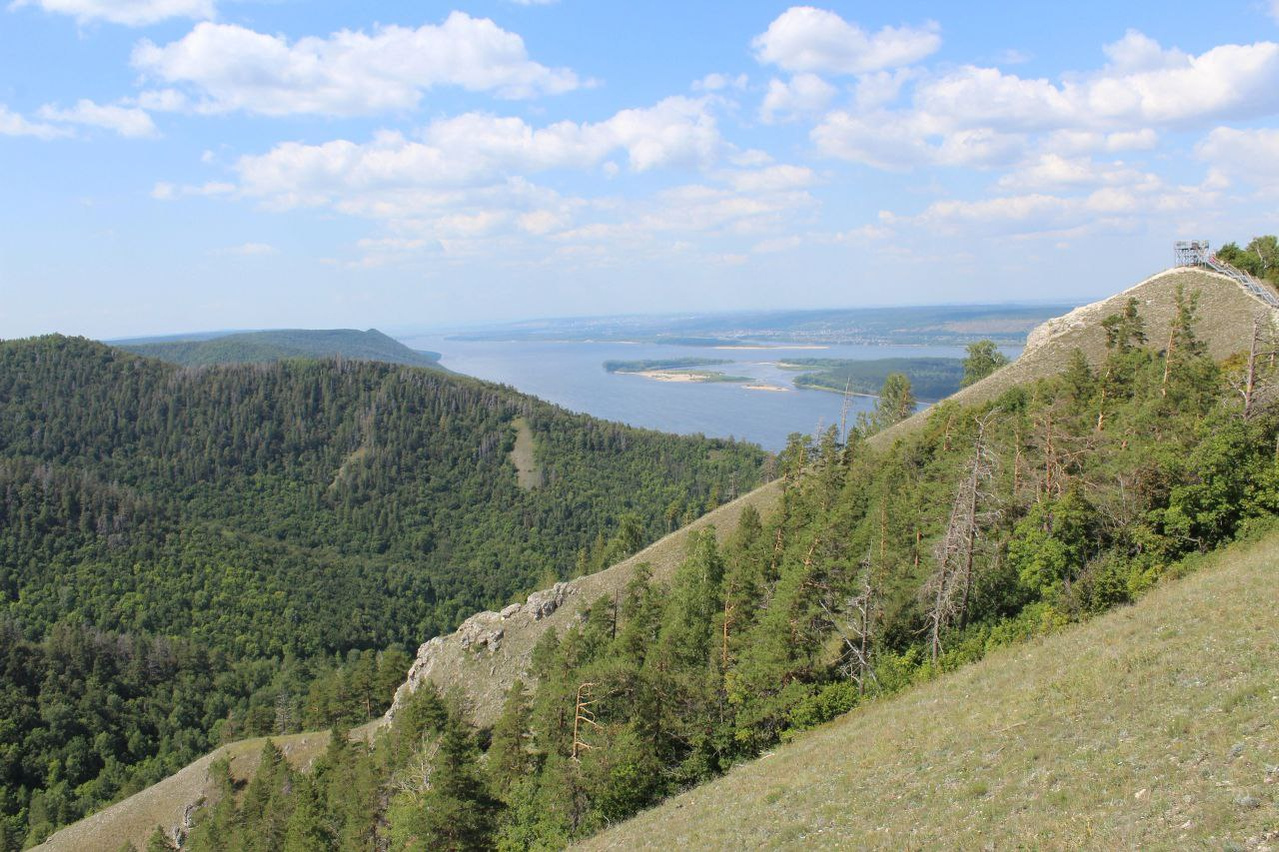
(1151, 727)
(528, 473)
(1226, 312)
(166, 803)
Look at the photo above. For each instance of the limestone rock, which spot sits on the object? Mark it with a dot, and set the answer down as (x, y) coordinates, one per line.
(482, 630)
(543, 603)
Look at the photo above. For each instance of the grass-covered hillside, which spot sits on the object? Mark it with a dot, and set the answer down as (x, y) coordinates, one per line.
(258, 347)
(191, 556)
(1148, 728)
(873, 569)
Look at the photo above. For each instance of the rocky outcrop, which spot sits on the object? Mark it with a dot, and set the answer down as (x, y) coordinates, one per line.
(491, 650)
(543, 603)
(479, 637)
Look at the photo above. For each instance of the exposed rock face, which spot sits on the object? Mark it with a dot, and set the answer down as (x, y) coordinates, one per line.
(482, 630)
(479, 638)
(543, 603)
(427, 656)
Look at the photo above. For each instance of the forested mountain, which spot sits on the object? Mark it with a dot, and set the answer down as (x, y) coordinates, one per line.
(187, 555)
(258, 347)
(884, 565)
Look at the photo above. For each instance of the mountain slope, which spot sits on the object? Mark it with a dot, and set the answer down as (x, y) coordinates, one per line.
(1226, 313)
(483, 675)
(245, 525)
(1150, 727)
(257, 347)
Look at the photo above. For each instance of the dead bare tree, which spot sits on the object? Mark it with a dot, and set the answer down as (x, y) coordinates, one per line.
(854, 619)
(1257, 390)
(948, 591)
(583, 717)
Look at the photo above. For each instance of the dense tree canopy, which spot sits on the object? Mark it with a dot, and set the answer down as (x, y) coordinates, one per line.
(880, 568)
(194, 554)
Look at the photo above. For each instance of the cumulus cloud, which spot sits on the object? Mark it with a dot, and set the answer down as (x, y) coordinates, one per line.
(985, 117)
(13, 124)
(1055, 172)
(1249, 157)
(805, 39)
(227, 67)
(1144, 86)
(476, 147)
(130, 13)
(902, 140)
(803, 94)
(130, 122)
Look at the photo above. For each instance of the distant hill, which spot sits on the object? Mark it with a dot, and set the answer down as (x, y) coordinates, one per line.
(258, 347)
(197, 543)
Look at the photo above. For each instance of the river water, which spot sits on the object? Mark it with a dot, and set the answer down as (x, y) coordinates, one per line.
(572, 374)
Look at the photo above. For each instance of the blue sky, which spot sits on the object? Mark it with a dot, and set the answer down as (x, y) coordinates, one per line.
(182, 165)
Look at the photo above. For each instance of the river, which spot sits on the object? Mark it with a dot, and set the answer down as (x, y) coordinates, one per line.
(572, 374)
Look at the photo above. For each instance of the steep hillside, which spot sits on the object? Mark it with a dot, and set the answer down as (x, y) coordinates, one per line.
(184, 551)
(1150, 727)
(1226, 313)
(169, 803)
(260, 347)
(1225, 326)
(491, 650)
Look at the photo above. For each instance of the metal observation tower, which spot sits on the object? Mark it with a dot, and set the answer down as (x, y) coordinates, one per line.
(1197, 253)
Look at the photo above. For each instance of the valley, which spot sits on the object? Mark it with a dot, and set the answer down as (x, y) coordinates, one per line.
(841, 588)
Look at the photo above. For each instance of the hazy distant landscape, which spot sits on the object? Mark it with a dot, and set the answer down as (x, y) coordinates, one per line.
(932, 325)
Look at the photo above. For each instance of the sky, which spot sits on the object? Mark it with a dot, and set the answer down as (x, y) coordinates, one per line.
(186, 165)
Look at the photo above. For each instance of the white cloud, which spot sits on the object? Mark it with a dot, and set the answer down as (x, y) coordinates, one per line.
(805, 39)
(803, 94)
(129, 122)
(13, 124)
(228, 67)
(476, 148)
(974, 116)
(131, 13)
(1145, 86)
(901, 140)
(780, 178)
(1054, 171)
(1248, 157)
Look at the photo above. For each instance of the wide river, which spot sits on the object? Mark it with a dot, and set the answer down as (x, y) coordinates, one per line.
(572, 374)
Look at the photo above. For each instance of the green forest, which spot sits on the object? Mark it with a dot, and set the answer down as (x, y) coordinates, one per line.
(931, 378)
(253, 347)
(882, 567)
(189, 556)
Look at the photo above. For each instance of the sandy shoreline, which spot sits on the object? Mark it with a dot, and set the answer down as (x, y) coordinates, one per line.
(774, 388)
(667, 375)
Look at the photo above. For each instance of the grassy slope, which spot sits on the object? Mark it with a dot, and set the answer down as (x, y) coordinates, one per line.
(1150, 727)
(1225, 324)
(262, 346)
(166, 802)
